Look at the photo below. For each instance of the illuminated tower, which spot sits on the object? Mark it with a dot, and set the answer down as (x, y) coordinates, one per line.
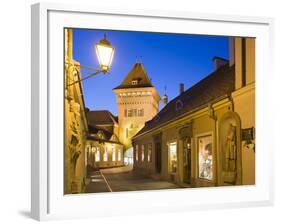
(138, 102)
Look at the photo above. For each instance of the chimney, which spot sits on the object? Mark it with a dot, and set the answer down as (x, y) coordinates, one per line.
(165, 99)
(219, 62)
(181, 88)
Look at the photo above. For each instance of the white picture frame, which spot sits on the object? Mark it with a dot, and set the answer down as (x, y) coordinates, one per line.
(48, 201)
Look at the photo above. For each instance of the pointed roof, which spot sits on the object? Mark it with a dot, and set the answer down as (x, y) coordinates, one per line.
(136, 78)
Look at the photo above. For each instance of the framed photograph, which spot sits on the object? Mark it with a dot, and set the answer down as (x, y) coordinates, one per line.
(150, 111)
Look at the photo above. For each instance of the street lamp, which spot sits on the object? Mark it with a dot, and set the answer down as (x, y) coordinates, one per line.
(105, 53)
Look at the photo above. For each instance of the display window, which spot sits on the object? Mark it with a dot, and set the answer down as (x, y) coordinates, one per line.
(205, 157)
(173, 157)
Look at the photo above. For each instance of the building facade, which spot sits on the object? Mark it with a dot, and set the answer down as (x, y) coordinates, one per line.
(137, 101)
(205, 136)
(244, 102)
(103, 147)
(75, 124)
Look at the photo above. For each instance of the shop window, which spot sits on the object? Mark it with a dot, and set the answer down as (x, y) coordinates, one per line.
(119, 154)
(97, 155)
(149, 152)
(205, 158)
(105, 155)
(142, 153)
(173, 157)
(113, 154)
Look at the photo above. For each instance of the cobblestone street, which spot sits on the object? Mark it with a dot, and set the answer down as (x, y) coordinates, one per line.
(123, 179)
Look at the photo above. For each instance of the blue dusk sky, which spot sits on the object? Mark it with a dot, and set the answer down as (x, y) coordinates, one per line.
(169, 59)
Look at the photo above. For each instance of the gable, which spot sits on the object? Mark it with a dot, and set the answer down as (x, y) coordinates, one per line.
(137, 77)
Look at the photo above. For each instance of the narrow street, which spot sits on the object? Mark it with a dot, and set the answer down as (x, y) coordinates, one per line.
(123, 179)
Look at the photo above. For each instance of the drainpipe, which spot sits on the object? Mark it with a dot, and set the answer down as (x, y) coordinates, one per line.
(232, 103)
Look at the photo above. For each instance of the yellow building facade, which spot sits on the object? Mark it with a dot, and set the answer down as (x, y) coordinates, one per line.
(205, 136)
(75, 122)
(244, 102)
(103, 147)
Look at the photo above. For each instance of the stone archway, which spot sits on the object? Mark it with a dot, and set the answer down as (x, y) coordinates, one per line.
(229, 150)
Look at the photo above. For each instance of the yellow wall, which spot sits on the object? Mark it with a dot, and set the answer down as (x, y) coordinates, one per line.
(75, 125)
(244, 105)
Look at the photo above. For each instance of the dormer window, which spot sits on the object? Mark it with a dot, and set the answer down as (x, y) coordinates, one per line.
(114, 138)
(179, 105)
(100, 134)
(135, 82)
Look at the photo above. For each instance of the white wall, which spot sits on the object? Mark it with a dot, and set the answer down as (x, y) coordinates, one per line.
(15, 110)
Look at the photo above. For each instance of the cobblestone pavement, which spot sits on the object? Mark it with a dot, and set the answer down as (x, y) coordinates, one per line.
(123, 179)
(97, 183)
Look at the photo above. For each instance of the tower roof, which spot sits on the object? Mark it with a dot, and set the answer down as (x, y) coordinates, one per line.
(136, 78)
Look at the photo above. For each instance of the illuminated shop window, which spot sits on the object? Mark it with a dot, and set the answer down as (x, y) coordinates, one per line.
(137, 152)
(113, 154)
(119, 154)
(105, 155)
(142, 153)
(149, 152)
(173, 157)
(97, 155)
(205, 158)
